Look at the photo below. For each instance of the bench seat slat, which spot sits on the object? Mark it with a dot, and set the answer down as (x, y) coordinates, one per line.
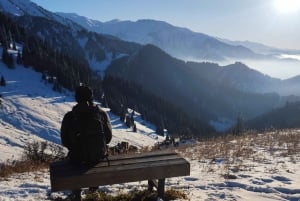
(62, 166)
(61, 169)
(144, 155)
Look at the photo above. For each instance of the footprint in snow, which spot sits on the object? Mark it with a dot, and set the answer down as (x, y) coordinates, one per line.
(191, 179)
(282, 179)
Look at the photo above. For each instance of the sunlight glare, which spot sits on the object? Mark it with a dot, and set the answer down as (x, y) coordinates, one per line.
(287, 6)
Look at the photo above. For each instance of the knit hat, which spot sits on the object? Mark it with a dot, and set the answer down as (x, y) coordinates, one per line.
(83, 94)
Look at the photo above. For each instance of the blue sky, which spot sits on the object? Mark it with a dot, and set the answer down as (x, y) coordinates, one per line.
(270, 22)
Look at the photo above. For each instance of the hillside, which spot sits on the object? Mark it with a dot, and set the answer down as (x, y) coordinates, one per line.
(210, 90)
(31, 110)
(280, 118)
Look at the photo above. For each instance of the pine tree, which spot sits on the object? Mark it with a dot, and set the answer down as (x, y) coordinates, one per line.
(4, 55)
(122, 116)
(2, 81)
(7, 58)
(19, 58)
(134, 128)
(131, 120)
(238, 128)
(127, 121)
(14, 46)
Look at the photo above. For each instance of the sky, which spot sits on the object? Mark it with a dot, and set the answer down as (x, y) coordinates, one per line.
(271, 22)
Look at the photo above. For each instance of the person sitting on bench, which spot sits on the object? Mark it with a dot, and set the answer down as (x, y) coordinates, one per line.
(85, 131)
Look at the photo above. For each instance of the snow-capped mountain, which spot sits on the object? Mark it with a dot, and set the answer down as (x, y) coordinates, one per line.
(28, 8)
(64, 35)
(23, 7)
(179, 42)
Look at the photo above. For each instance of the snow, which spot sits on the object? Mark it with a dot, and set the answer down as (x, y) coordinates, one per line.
(30, 107)
(26, 7)
(100, 66)
(221, 124)
(21, 7)
(31, 111)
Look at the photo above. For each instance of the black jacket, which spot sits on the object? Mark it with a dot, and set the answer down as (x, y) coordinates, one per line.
(83, 110)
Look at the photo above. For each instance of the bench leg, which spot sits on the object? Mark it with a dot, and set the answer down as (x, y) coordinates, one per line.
(161, 188)
(76, 195)
(151, 184)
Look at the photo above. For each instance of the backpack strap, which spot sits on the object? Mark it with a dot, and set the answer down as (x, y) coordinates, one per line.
(106, 157)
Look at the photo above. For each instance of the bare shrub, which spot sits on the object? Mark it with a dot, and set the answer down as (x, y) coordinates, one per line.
(36, 156)
(9, 168)
(231, 153)
(42, 152)
(135, 195)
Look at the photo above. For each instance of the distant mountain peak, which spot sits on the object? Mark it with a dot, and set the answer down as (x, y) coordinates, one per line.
(114, 21)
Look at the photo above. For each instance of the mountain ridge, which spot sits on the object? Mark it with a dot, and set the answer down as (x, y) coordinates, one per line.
(192, 44)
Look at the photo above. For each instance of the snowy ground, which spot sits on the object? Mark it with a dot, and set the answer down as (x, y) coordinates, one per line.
(260, 167)
(267, 176)
(30, 111)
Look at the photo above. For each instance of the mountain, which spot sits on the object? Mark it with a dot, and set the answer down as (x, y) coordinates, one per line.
(24, 7)
(195, 84)
(66, 36)
(285, 117)
(241, 77)
(179, 42)
(260, 48)
(70, 55)
(28, 8)
(187, 45)
(199, 92)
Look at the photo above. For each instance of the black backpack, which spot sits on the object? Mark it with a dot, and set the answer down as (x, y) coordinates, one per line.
(89, 143)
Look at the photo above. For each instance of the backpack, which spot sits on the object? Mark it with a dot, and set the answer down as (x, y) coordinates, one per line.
(89, 143)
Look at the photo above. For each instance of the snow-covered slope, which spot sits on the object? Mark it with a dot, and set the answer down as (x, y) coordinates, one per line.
(21, 7)
(28, 8)
(31, 110)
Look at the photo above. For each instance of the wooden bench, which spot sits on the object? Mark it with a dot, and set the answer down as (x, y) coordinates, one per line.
(151, 166)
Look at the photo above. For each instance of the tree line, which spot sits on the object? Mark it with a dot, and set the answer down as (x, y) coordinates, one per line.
(121, 94)
(43, 57)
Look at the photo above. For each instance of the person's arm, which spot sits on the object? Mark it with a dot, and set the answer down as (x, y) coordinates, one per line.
(107, 126)
(64, 131)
